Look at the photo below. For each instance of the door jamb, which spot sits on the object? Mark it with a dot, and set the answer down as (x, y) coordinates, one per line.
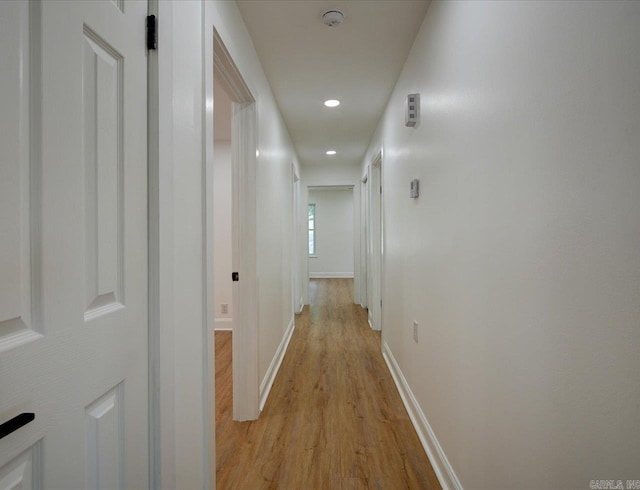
(376, 243)
(296, 295)
(246, 401)
(364, 241)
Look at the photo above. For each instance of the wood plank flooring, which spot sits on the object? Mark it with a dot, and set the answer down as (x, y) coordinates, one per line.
(334, 419)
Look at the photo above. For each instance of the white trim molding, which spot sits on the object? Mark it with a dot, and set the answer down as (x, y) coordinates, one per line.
(446, 476)
(272, 371)
(330, 275)
(223, 324)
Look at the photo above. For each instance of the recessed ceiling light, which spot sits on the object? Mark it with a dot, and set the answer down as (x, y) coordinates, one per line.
(332, 103)
(331, 152)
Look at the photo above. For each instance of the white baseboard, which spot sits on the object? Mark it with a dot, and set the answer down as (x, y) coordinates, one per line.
(446, 476)
(330, 275)
(223, 323)
(270, 376)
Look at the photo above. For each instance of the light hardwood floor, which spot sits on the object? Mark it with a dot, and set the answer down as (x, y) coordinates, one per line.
(333, 420)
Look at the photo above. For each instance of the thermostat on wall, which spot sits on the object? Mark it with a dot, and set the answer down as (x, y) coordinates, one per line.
(415, 188)
(413, 110)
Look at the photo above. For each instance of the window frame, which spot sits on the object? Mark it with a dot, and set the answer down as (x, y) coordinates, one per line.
(312, 230)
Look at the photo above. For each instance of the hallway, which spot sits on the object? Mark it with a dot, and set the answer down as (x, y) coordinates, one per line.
(334, 418)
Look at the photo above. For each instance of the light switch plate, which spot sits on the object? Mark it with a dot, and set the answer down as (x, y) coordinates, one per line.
(412, 116)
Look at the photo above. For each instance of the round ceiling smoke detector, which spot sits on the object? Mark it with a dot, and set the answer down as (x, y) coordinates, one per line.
(332, 18)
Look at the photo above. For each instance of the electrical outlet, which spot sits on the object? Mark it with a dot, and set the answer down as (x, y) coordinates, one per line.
(415, 331)
(224, 308)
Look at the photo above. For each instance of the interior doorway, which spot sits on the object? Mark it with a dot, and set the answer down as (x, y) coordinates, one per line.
(297, 301)
(331, 241)
(375, 241)
(222, 211)
(364, 240)
(232, 231)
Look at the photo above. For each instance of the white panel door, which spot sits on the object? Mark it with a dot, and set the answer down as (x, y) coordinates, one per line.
(73, 244)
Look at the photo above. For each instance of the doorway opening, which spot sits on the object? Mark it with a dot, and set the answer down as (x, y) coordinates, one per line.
(297, 300)
(222, 207)
(232, 230)
(223, 297)
(364, 240)
(330, 231)
(374, 240)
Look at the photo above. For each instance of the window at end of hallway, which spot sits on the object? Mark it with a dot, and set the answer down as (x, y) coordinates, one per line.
(312, 229)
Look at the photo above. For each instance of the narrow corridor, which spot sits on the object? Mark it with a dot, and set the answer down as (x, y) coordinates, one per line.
(334, 418)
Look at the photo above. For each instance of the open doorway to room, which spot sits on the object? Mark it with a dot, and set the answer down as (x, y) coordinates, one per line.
(374, 240)
(223, 297)
(330, 234)
(222, 231)
(364, 240)
(233, 237)
(297, 299)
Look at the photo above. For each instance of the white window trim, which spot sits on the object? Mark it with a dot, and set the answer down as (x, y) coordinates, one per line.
(313, 255)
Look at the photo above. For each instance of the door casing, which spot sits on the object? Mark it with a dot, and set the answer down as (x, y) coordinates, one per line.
(375, 242)
(246, 404)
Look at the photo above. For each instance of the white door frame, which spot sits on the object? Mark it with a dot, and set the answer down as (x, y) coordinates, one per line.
(375, 252)
(369, 253)
(296, 288)
(169, 358)
(246, 400)
(364, 242)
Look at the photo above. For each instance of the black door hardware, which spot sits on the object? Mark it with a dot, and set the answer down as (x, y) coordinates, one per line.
(15, 423)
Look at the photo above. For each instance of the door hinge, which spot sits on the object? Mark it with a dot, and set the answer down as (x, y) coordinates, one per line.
(152, 33)
(235, 277)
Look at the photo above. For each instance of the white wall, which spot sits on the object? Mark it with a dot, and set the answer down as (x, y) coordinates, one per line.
(521, 258)
(274, 199)
(334, 233)
(222, 251)
(330, 174)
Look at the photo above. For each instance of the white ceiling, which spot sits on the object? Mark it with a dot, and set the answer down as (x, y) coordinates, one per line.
(357, 62)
